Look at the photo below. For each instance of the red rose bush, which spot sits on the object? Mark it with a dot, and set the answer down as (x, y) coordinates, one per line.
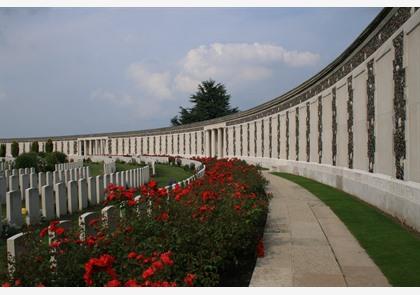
(186, 236)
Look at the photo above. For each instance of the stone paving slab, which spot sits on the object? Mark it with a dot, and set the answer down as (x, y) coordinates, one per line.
(307, 245)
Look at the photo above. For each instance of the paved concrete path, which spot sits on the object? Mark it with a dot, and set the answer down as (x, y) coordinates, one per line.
(307, 245)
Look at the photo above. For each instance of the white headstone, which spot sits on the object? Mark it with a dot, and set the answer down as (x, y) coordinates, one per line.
(72, 192)
(24, 184)
(49, 178)
(32, 206)
(15, 248)
(99, 189)
(92, 191)
(3, 190)
(60, 199)
(56, 178)
(87, 228)
(107, 180)
(33, 180)
(110, 217)
(47, 202)
(32, 170)
(83, 194)
(41, 181)
(14, 208)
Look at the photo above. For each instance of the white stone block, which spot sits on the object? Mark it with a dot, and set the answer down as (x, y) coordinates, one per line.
(32, 206)
(33, 180)
(72, 199)
(3, 190)
(23, 184)
(92, 191)
(16, 246)
(83, 194)
(87, 228)
(60, 199)
(110, 217)
(47, 200)
(99, 189)
(49, 178)
(42, 180)
(14, 208)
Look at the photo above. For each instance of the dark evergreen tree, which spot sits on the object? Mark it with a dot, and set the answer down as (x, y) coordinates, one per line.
(35, 147)
(3, 150)
(15, 149)
(49, 146)
(209, 102)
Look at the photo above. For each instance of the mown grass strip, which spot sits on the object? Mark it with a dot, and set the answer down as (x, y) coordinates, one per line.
(394, 248)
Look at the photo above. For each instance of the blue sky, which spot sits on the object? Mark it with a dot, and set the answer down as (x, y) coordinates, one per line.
(86, 70)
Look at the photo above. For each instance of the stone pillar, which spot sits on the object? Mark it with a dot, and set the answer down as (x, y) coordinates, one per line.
(220, 143)
(207, 143)
(213, 143)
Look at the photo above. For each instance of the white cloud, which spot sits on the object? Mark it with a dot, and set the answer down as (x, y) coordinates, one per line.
(231, 63)
(237, 62)
(156, 84)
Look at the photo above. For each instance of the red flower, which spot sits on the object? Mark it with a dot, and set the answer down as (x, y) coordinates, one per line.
(157, 265)
(148, 273)
(6, 284)
(113, 283)
(59, 231)
(166, 258)
(152, 184)
(43, 232)
(18, 282)
(189, 279)
(132, 255)
(131, 283)
(164, 216)
(40, 285)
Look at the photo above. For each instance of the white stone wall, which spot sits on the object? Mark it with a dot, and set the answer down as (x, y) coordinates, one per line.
(384, 156)
(342, 116)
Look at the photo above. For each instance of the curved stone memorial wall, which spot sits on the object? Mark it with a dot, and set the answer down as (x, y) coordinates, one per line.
(355, 125)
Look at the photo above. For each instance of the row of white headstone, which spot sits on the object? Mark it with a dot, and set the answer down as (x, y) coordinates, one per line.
(110, 217)
(110, 167)
(22, 179)
(71, 165)
(6, 165)
(56, 199)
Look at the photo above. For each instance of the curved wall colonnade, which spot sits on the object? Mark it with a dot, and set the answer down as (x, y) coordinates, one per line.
(355, 125)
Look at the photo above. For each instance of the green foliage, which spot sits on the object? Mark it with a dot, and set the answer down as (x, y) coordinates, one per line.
(2, 150)
(209, 102)
(54, 158)
(49, 146)
(35, 147)
(15, 149)
(27, 160)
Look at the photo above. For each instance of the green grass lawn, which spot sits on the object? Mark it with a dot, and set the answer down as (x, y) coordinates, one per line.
(394, 248)
(166, 174)
(98, 168)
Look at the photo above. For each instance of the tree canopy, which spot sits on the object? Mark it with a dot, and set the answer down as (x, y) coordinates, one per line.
(209, 102)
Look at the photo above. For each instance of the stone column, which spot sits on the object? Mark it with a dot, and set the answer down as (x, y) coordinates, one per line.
(220, 143)
(213, 143)
(207, 143)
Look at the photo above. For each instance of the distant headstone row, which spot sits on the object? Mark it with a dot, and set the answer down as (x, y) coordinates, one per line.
(53, 195)
(110, 167)
(71, 165)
